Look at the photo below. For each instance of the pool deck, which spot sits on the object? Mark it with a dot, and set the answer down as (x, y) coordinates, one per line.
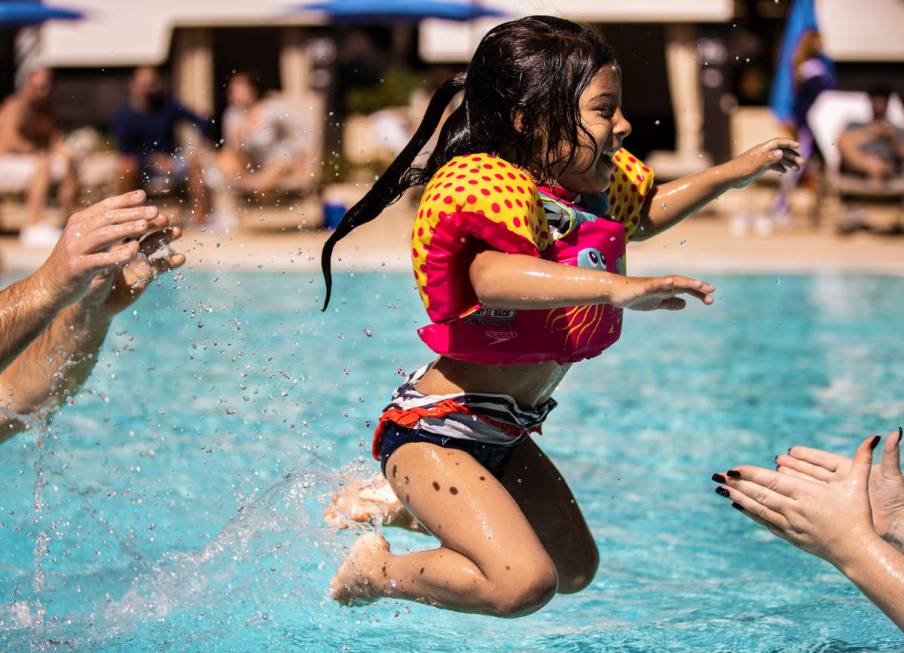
(703, 244)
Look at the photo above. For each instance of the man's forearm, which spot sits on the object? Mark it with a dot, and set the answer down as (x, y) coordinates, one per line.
(26, 308)
(55, 364)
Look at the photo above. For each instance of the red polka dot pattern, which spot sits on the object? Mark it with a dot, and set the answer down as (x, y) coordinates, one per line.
(627, 194)
(480, 185)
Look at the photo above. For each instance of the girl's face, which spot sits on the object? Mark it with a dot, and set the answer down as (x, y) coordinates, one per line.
(602, 117)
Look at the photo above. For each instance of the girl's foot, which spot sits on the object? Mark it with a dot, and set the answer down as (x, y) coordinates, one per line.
(353, 584)
(368, 501)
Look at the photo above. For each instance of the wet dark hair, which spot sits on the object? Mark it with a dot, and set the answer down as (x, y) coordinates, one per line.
(533, 69)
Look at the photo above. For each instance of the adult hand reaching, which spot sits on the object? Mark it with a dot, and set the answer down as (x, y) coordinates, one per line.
(886, 483)
(118, 289)
(830, 518)
(95, 242)
(53, 323)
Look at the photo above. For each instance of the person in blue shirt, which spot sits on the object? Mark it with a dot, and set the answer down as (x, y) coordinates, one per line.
(145, 128)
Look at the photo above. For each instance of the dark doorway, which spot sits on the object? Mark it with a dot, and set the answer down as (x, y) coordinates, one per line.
(250, 49)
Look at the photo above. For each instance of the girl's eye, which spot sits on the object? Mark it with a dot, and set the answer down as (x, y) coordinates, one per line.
(607, 112)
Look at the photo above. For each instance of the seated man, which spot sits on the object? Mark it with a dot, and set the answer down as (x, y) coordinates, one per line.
(32, 157)
(145, 130)
(874, 149)
(262, 146)
(53, 322)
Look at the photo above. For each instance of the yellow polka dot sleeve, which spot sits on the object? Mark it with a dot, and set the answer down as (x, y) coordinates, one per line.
(474, 202)
(629, 188)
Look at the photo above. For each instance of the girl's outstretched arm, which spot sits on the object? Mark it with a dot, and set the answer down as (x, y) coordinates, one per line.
(671, 203)
(520, 281)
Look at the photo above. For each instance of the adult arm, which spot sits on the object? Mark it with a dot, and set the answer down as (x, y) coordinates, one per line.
(520, 281)
(831, 520)
(878, 570)
(185, 114)
(27, 306)
(59, 360)
(669, 204)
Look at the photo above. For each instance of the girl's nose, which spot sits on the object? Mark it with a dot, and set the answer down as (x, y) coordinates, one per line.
(622, 126)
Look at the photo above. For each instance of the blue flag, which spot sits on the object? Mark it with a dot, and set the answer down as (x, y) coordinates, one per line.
(801, 19)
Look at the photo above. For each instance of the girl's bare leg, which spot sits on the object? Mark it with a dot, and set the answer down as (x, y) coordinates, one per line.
(546, 500)
(68, 190)
(369, 501)
(491, 560)
(535, 484)
(38, 187)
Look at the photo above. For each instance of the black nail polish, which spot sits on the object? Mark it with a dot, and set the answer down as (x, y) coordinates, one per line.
(718, 478)
(900, 433)
(737, 506)
(733, 473)
(722, 492)
(872, 445)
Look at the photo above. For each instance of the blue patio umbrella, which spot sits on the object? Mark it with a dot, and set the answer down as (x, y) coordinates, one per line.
(395, 11)
(25, 12)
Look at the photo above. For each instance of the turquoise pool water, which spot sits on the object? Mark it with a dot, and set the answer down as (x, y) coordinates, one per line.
(176, 505)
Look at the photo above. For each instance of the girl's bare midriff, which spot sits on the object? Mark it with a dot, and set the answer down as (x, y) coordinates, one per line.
(529, 385)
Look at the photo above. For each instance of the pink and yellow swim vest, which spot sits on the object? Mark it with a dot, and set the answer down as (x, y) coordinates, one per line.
(479, 201)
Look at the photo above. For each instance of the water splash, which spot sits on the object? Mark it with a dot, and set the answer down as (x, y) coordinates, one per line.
(273, 540)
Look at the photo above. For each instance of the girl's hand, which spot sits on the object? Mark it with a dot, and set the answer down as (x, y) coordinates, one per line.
(659, 293)
(886, 483)
(829, 519)
(779, 154)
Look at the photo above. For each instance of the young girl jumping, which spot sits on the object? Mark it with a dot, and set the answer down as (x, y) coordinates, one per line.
(519, 257)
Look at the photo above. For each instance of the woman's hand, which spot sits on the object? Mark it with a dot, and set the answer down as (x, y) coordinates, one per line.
(659, 293)
(830, 519)
(779, 154)
(886, 483)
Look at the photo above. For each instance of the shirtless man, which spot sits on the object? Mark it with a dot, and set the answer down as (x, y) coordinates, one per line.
(874, 149)
(32, 157)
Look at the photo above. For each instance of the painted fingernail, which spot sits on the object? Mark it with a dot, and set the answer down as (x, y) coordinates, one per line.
(718, 478)
(872, 445)
(900, 433)
(733, 473)
(737, 506)
(722, 492)
(139, 225)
